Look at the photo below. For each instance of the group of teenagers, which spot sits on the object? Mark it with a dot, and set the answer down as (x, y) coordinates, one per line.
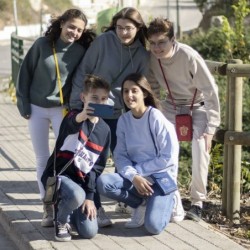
(128, 66)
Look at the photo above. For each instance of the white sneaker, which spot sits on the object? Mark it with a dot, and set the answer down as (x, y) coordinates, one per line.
(102, 218)
(48, 216)
(121, 207)
(72, 229)
(178, 212)
(137, 218)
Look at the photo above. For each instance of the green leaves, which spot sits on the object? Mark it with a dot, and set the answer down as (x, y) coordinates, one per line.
(245, 176)
(221, 44)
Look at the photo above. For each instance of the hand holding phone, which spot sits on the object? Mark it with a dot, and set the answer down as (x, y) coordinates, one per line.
(102, 110)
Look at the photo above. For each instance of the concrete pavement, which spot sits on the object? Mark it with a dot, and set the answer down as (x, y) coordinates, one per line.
(6, 243)
(21, 209)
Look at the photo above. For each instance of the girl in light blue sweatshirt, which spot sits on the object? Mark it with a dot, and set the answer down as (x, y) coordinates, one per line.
(146, 145)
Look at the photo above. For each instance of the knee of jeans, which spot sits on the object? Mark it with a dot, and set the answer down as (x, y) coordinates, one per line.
(103, 184)
(88, 233)
(76, 199)
(154, 225)
(152, 228)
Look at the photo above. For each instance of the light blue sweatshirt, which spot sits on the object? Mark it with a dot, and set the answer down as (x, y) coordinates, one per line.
(137, 141)
(106, 58)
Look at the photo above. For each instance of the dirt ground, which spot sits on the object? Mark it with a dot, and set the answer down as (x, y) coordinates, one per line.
(212, 214)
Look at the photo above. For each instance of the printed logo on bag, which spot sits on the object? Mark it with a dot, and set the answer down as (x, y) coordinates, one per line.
(183, 130)
(164, 180)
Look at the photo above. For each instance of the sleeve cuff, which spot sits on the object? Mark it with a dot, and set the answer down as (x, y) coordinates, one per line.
(210, 130)
(130, 176)
(90, 196)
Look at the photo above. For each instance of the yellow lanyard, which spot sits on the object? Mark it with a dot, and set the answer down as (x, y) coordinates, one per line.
(58, 75)
(59, 79)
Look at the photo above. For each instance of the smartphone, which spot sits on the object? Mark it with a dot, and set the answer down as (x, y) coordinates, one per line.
(102, 110)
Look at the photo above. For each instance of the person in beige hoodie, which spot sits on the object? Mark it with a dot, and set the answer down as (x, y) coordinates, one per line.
(182, 72)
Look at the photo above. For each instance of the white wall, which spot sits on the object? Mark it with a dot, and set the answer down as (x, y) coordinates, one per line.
(23, 30)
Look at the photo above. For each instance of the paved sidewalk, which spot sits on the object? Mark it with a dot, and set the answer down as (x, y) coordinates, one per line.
(21, 209)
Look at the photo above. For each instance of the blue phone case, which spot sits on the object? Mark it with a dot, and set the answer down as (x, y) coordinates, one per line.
(102, 110)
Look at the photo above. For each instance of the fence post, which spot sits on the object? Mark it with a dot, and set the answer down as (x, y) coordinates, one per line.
(234, 151)
(225, 153)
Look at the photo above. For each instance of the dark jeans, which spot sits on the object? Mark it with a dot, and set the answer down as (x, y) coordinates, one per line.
(112, 123)
(97, 200)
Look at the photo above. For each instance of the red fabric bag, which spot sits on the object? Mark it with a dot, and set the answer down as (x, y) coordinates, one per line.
(184, 127)
(183, 122)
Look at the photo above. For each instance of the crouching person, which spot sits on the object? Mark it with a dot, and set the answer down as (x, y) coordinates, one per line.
(147, 146)
(83, 142)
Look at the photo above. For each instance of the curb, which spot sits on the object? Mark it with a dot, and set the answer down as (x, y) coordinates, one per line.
(22, 233)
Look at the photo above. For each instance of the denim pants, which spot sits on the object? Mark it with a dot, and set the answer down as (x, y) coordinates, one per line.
(158, 208)
(112, 123)
(71, 197)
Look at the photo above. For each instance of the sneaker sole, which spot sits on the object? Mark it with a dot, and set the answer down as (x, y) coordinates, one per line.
(123, 211)
(177, 219)
(63, 239)
(192, 217)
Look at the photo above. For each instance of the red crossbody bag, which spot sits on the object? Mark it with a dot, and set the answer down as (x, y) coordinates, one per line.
(183, 122)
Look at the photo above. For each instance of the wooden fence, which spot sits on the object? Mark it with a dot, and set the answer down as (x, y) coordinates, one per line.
(232, 136)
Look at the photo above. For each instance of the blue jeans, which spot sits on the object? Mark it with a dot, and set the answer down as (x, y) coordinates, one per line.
(71, 197)
(159, 207)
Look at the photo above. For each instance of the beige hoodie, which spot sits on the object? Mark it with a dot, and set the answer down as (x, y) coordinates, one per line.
(185, 71)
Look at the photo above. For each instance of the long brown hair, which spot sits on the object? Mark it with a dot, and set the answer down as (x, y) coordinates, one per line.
(135, 17)
(53, 32)
(142, 82)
